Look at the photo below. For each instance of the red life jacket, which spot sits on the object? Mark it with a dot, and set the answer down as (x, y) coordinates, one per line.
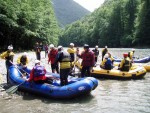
(39, 73)
(52, 55)
(87, 58)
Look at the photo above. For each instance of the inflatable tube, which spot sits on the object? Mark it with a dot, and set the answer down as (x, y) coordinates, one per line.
(146, 66)
(136, 73)
(75, 87)
(142, 60)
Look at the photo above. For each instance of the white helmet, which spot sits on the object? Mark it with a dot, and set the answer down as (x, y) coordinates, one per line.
(25, 54)
(106, 56)
(133, 49)
(37, 61)
(51, 45)
(71, 44)
(96, 46)
(59, 47)
(105, 46)
(10, 47)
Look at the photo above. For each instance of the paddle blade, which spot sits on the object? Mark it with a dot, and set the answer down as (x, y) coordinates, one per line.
(12, 89)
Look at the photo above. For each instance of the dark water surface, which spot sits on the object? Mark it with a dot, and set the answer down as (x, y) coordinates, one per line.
(111, 96)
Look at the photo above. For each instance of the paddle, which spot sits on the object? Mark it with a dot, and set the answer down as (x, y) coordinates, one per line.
(13, 89)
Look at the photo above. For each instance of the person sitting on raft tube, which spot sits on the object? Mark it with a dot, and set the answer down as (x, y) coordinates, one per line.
(23, 60)
(38, 74)
(106, 63)
(104, 51)
(125, 64)
(131, 54)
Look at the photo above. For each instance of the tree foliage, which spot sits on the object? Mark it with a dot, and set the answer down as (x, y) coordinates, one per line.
(117, 23)
(23, 22)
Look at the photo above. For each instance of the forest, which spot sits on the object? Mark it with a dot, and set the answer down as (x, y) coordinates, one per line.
(24, 22)
(117, 23)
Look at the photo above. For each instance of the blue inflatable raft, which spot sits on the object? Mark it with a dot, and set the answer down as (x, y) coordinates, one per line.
(142, 60)
(75, 87)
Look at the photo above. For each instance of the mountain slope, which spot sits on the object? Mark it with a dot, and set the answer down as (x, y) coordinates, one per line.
(68, 11)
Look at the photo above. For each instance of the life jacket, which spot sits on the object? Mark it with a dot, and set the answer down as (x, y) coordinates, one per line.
(87, 58)
(108, 64)
(72, 53)
(126, 66)
(64, 59)
(39, 71)
(52, 55)
(23, 60)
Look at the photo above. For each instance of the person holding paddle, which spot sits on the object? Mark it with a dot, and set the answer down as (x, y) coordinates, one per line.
(8, 56)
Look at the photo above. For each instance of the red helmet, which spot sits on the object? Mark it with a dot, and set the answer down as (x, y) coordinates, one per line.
(125, 54)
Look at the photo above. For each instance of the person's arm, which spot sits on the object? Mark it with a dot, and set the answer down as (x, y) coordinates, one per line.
(31, 76)
(3, 55)
(121, 64)
(103, 63)
(69, 50)
(18, 60)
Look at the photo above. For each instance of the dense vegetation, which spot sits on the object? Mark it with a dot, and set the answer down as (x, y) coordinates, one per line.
(23, 22)
(117, 23)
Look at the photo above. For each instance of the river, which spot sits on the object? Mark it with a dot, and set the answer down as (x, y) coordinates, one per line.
(111, 96)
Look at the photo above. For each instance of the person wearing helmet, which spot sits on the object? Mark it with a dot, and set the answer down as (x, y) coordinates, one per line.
(64, 59)
(88, 61)
(106, 63)
(23, 60)
(104, 51)
(37, 49)
(52, 57)
(96, 53)
(37, 74)
(125, 64)
(71, 50)
(131, 54)
(8, 56)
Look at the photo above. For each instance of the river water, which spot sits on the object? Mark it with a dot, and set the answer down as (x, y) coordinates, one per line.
(111, 96)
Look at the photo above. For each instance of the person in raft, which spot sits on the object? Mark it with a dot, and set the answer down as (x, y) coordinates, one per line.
(8, 56)
(125, 64)
(88, 61)
(64, 58)
(104, 51)
(131, 54)
(106, 63)
(22, 61)
(38, 74)
(52, 57)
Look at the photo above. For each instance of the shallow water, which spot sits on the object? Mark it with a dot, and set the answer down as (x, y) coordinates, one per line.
(111, 96)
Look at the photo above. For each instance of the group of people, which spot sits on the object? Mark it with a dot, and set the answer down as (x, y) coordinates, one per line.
(62, 61)
(125, 64)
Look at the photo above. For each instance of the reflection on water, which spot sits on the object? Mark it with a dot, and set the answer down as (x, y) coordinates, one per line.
(111, 96)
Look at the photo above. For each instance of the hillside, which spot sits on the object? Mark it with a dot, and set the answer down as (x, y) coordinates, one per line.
(68, 11)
